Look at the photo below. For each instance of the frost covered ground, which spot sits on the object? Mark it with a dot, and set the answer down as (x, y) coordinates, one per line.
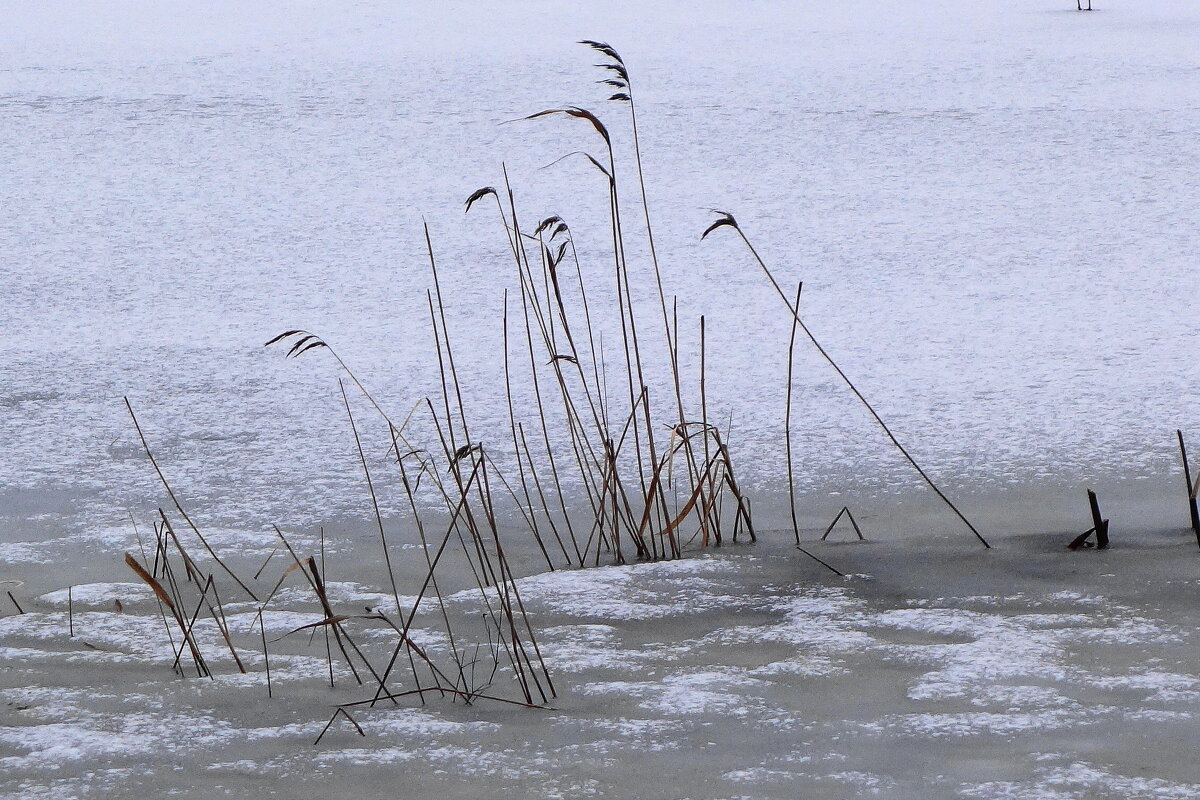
(995, 211)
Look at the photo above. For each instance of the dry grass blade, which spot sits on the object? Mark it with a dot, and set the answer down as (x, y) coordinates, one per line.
(592, 159)
(299, 343)
(335, 620)
(262, 628)
(578, 113)
(307, 347)
(282, 336)
(787, 423)
(387, 558)
(163, 479)
(271, 555)
(150, 581)
(560, 253)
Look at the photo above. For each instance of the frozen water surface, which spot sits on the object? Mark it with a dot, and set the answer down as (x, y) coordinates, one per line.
(758, 676)
(996, 214)
(993, 209)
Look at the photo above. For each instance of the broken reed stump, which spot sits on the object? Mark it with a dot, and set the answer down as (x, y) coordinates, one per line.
(341, 712)
(1193, 489)
(846, 511)
(1099, 527)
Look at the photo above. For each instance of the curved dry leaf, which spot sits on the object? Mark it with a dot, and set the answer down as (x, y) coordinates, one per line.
(312, 346)
(150, 581)
(416, 453)
(334, 620)
(600, 167)
(724, 219)
(586, 155)
(283, 335)
(583, 113)
(299, 344)
(579, 113)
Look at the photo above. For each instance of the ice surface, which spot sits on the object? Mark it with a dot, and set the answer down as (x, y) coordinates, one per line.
(994, 209)
(771, 676)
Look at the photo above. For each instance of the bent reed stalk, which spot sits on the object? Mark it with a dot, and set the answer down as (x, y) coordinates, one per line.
(726, 219)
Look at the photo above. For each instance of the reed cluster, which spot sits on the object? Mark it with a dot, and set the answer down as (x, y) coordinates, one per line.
(600, 471)
(596, 468)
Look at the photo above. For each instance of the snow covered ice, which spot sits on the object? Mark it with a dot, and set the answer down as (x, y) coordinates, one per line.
(995, 210)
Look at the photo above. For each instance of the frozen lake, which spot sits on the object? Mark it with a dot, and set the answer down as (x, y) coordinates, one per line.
(995, 210)
(930, 675)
